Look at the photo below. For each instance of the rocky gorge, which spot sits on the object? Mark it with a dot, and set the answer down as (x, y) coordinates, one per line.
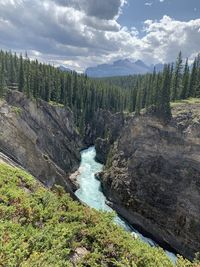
(103, 130)
(152, 177)
(152, 170)
(40, 137)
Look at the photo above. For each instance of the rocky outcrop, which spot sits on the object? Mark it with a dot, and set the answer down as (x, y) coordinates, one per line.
(102, 149)
(153, 178)
(40, 137)
(103, 130)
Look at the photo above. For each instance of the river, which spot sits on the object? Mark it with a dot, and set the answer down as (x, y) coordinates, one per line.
(90, 192)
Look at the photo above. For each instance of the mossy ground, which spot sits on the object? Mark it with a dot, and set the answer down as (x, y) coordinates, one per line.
(190, 101)
(56, 104)
(39, 227)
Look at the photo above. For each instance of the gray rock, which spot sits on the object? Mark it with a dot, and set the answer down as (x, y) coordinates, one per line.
(39, 137)
(153, 179)
(102, 149)
(103, 130)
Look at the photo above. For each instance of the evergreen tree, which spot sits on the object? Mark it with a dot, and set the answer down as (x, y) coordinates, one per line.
(21, 75)
(47, 89)
(138, 106)
(164, 109)
(193, 77)
(12, 74)
(133, 99)
(185, 81)
(157, 88)
(176, 83)
(1, 82)
(197, 84)
(197, 91)
(85, 96)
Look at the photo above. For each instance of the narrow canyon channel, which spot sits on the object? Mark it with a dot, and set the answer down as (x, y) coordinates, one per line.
(90, 192)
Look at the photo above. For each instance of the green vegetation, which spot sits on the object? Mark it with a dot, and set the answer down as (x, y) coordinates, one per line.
(156, 90)
(189, 101)
(39, 227)
(85, 96)
(176, 79)
(163, 104)
(16, 110)
(56, 104)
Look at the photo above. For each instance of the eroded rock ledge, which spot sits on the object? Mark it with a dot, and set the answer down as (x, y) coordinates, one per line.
(102, 131)
(40, 137)
(153, 177)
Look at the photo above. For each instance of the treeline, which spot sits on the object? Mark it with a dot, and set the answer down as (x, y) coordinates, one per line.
(85, 96)
(177, 81)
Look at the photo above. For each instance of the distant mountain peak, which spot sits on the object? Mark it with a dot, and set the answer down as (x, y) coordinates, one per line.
(63, 68)
(141, 63)
(120, 61)
(121, 67)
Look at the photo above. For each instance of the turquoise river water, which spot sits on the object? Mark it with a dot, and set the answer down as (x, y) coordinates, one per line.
(90, 192)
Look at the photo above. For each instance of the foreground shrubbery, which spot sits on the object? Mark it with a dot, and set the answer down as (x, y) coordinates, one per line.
(43, 228)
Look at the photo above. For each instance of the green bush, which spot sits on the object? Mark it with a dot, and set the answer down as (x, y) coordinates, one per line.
(16, 110)
(39, 227)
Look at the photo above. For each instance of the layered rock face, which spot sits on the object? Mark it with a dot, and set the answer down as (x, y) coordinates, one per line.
(102, 131)
(153, 178)
(40, 137)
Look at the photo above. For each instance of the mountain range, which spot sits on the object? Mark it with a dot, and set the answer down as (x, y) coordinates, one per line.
(121, 67)
(65, 69)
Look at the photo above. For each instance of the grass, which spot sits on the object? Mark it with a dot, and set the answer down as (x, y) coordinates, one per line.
(39, 227)
(189, 101)
(55, 104)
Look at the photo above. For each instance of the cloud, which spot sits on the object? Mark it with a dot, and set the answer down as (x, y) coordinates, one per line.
(104, 9)
(81, 33)
(166, 37)
(148, 4)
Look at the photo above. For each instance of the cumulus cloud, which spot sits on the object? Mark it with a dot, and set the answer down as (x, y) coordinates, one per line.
(81, 33)
(166, 37)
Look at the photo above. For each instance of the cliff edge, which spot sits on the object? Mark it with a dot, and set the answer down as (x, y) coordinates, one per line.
(152, 177)
(39, 137)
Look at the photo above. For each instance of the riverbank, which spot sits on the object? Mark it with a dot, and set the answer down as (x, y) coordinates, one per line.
(90, 192)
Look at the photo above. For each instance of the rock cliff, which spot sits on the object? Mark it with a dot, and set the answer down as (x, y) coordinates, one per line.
(39, 137)
(102, 131)
(152, 177)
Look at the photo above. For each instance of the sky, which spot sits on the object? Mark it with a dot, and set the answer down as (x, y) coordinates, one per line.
(84, 33)
(137, 11)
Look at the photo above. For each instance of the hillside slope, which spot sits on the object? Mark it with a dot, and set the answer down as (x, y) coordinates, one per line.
(39, 227)
(40, 137)
(152, 177)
